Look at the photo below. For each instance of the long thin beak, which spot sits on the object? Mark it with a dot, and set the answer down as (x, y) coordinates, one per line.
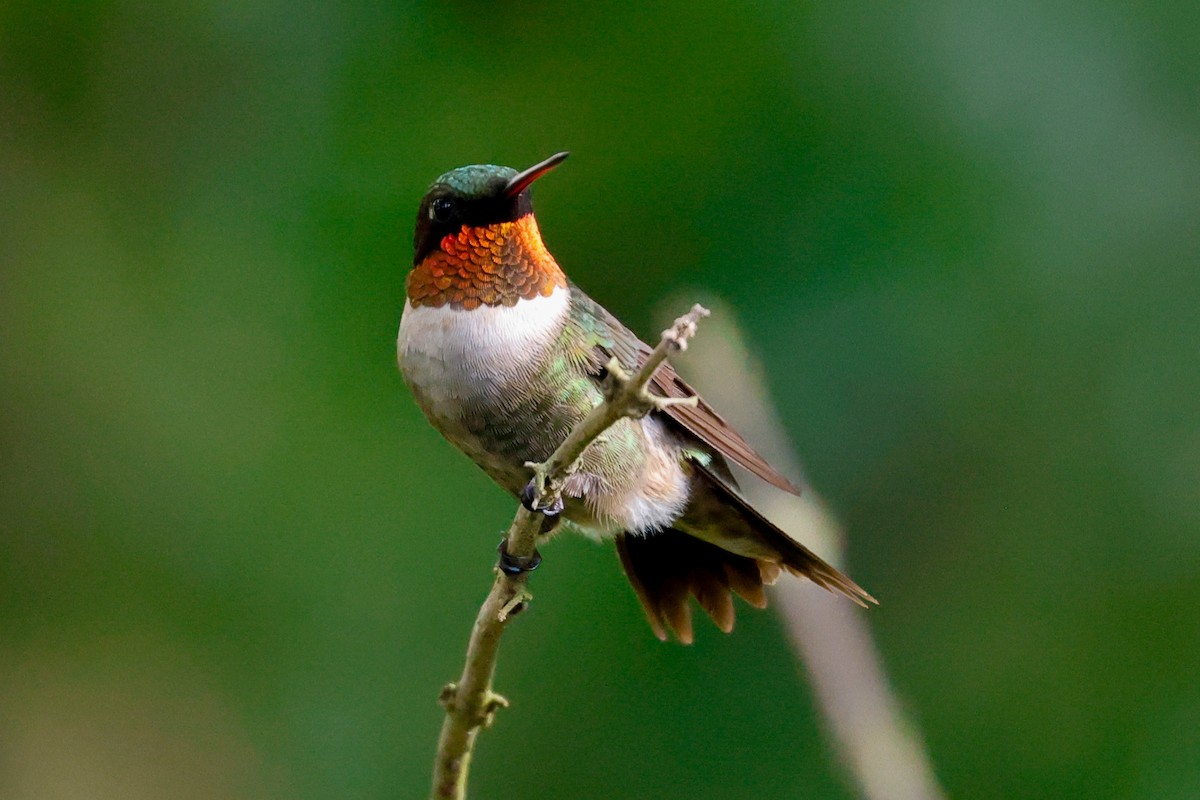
(518, 183)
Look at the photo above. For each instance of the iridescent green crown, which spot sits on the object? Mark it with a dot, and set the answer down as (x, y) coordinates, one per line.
(476, 180)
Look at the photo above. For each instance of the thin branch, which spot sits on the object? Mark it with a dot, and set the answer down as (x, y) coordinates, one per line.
(470, 703)
(882, 750)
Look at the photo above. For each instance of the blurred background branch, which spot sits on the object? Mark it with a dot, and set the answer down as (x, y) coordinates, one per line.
(883, 752)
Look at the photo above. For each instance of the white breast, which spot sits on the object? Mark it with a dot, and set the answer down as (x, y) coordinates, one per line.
(453, 355)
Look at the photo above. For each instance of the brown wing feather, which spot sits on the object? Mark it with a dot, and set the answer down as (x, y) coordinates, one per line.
(706, 424)
(793, 556)
(701, 420)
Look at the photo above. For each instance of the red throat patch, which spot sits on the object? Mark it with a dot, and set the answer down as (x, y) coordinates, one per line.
(492, 265)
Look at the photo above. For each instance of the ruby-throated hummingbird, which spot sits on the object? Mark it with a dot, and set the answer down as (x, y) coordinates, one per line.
(505, 356)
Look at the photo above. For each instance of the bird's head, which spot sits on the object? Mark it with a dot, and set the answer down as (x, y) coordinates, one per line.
(476, 240)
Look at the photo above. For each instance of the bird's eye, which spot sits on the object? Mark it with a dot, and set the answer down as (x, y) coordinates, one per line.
(441, 210)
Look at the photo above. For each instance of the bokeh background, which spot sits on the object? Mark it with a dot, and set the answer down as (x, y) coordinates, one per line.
(235, 562)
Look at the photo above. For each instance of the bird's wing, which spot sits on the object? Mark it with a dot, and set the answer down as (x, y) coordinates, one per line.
(607, 337)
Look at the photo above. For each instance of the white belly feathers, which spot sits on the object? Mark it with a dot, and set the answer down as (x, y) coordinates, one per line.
(450, 353)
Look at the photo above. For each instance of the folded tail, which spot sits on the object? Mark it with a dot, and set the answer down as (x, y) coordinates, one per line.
(668, 566)
(726, 547)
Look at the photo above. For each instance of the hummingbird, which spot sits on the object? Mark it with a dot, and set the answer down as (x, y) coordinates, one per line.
(505, 355)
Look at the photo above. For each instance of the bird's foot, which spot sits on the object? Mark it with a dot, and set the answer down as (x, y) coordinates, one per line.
(515, 565)
(529, 497)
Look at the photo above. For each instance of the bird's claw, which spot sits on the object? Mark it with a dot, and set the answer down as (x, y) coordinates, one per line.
(515, 565)
(529, 496)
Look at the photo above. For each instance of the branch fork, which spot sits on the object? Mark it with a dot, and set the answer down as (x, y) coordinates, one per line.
(470, 703)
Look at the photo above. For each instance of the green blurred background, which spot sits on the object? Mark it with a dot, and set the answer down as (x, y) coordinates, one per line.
(235, 562)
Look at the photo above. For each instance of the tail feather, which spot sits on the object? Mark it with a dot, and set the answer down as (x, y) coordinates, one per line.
(668, 566)
(745, 576)
(722, 546)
